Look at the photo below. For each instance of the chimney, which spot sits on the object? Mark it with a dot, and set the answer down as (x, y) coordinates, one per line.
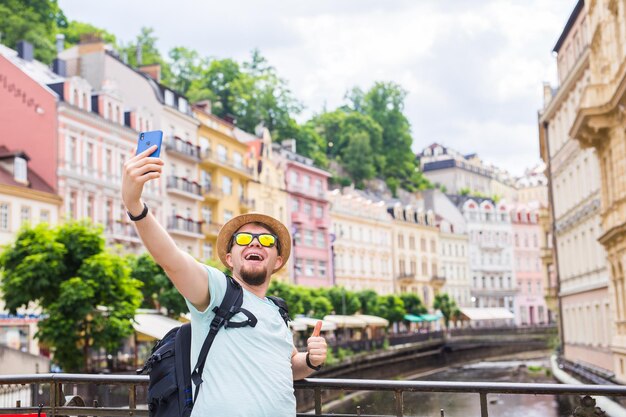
(289, 144)
(25, 50)
(547, 94)
(89, 43)
(204, 105)
(60, 43)
(153, 71)
(138, 54)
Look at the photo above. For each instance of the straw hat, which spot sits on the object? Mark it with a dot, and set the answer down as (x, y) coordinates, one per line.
(228, 230)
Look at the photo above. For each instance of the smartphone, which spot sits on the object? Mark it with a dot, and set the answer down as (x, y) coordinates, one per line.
(147, 139)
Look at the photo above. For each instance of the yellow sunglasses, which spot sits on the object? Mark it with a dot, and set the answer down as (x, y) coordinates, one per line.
(265, 239)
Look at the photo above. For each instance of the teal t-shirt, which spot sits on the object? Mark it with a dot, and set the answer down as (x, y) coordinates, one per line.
(248, 370)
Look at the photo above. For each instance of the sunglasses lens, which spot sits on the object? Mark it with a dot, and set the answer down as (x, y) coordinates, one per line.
(267, 240)
(243, 239)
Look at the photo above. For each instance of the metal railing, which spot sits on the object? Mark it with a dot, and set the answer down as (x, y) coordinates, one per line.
(46, 393)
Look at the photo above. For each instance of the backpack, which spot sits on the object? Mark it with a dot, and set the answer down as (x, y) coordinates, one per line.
(170, 388)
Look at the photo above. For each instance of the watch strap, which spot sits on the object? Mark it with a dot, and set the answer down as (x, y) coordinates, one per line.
(143, 214)
(310, 365)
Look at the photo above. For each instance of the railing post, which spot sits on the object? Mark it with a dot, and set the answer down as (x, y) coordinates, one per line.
(318, 401)
(132, 399)
(484, 412)
(399, 403)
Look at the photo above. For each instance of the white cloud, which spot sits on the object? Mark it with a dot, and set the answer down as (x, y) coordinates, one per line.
(473, 70)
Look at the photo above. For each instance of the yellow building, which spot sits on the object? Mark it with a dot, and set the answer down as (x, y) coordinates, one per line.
(598, 124)
(415, 243)
(224, 175)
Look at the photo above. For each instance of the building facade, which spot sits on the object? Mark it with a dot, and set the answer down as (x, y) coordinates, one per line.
(309, 215)
(361, 242)
(574, 176)
(415, 243)
(597, 124)
(490, 252)
(531, 304)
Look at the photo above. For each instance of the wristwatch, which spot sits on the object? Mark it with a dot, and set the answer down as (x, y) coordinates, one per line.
(310, 365)
(143, 214)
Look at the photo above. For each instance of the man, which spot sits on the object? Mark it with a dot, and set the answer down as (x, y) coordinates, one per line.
(249, 371)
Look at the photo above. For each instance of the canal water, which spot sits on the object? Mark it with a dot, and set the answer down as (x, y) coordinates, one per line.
(468, 405)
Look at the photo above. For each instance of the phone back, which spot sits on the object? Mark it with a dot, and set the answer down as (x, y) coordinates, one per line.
(147, 139)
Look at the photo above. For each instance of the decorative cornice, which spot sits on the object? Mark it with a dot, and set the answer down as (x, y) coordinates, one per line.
(585, 211)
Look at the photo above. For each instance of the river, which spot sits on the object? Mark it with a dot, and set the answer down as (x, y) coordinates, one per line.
(467, 405)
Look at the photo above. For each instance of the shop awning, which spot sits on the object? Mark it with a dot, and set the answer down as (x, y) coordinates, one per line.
(155, 326)
(373, 321)
(346, 321)
(297, 326)
(431, 317)
(479, 314)
(413, 318)
(327, 326)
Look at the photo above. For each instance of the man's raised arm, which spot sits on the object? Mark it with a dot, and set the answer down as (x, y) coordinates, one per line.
(187, 274)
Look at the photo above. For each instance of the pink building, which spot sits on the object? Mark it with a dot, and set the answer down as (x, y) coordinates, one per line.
(28, 113)
(527, 233)
(309, 215)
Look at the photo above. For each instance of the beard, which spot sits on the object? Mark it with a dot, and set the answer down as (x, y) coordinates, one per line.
(254, 277)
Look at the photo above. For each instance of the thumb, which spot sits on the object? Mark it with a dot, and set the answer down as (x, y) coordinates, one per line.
(317, 329)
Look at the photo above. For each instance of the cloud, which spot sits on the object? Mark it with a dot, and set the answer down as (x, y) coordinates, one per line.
(473, 70)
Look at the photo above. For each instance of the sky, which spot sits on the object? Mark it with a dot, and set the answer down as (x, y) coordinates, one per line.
(473, 69)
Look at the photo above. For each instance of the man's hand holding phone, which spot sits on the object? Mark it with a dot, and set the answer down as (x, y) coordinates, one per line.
(138, 170)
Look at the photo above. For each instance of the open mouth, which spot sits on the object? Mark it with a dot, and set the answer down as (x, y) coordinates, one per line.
(254, 257)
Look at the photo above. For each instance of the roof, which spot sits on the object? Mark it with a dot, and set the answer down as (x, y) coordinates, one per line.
(568, 26)
(481, 314)
(346, 321)
(154, 325)
(36, 70)
(35, 182)
(373, 321)
(311, 322)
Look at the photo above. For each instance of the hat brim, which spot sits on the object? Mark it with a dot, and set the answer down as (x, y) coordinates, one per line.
(234, 224)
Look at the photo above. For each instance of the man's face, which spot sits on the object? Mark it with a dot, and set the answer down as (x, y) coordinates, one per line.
(253, 263)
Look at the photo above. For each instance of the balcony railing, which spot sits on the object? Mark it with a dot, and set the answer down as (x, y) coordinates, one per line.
(211, 192)
(124, 230)
(183, 148)
(181, 224)
(183, 184)
(125, 395)
(224, 160)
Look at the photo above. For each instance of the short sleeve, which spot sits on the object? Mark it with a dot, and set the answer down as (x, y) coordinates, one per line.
(217, 289)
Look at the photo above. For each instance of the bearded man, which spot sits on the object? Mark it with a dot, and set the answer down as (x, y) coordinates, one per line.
(249, 371)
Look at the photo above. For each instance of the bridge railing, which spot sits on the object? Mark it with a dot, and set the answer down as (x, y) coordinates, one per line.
(55, 394)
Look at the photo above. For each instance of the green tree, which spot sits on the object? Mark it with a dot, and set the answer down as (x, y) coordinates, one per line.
(157, 290)
(146, 41)
(413, 304)
(358, 159)
(321, 307)
(391, 308)
(87, 294)
(369, 302)
(75, 29)
(339, 297)
(35, 21)
(446, 305)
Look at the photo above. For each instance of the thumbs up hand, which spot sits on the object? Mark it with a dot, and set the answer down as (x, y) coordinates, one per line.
(316, 346)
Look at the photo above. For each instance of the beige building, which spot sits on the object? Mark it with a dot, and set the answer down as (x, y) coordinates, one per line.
(415, 243)
(574, 176)
(597, 123)
(362, 242)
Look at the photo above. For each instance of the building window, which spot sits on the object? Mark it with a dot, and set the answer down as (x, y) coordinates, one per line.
(298, 266)
(294, 177)
(411, 242)
(433, 246)
(207, 251)
(90, 207)
(221, 153)
(401, 241)
(309, 269)
(228, 214)
(321, 241)
(25, 214)
(295, 205)
(227, 186)
(321, 269)
(307, 209)
(44, 216)
(319, 211)
(72, 209)
(318, 187)
(308, 237)
(237, 160)
(207, 214)
(423, 244)
(306, 182)
(19, 169)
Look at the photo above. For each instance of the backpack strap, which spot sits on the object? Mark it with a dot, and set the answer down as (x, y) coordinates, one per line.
(283, 308)
(182, 348)
(231, 305)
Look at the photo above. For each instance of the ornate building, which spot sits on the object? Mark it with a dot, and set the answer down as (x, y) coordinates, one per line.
(598, 125)
(574, 176)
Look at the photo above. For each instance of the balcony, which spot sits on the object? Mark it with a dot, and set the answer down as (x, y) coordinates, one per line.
(298, 217)
(438, 281)
(185, 227)
(211, 193)
(321, 223)
(406, 276)
(211, 229)
(126, 395)
(246, 204)
(184, 149)
(214, 160)
(185, 188)
(122, 231)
